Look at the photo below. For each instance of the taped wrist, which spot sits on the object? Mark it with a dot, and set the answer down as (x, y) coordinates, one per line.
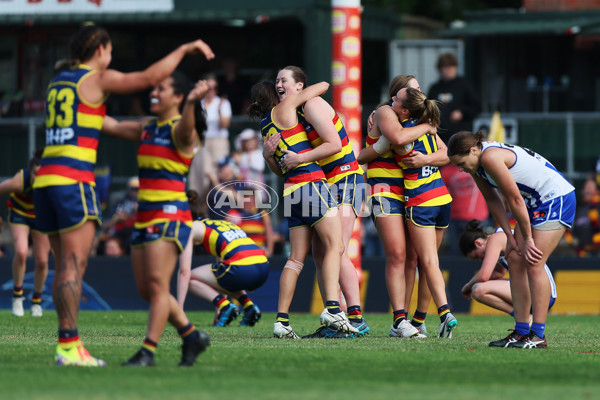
(381, 145)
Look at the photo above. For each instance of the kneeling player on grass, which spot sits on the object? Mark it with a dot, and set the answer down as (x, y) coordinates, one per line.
(241, 265)
(488, 286)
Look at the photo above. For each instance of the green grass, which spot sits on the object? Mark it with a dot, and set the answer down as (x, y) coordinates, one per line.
(247, 363)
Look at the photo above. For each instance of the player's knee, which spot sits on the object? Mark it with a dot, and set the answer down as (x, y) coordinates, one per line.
(294, 265)
(477, 292)
(342, 249)
(395, 258)
(41, 265)
(21, 255)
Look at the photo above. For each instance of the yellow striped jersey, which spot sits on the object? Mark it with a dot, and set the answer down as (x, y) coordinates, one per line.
(423, 186)
(229, 242)
(162, 172)
(72, 131)
(294, 139)
(22, 203)
(384, 175)
(339, 165)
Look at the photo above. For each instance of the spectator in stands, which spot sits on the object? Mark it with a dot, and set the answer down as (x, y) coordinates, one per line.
(249, 157)
(120, 224)
(215, 138)
(458, 101)
(113, 247)
(227, 172)
(585, 234)
(458, 105)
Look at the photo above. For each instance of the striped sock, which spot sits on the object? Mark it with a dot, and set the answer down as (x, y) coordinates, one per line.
(221, 301)
(149, 347)
(188, 333)
(18, 291)
(418, 318)
(333, 306)
(36, 298)
(399, 316)
(245, 301)
(355, 314)
(538, 329)
(284, 318)
(67, 339)
(443, 311)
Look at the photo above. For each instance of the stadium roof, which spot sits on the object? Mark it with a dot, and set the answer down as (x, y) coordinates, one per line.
(377, 24)
(516, 22)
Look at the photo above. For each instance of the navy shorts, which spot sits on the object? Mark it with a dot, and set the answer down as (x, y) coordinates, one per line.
(383, 206)
(240, 277)
(433, 216)
(65, 207)
(350, 191)
(14, 218)
(308, 204)
(173, 231)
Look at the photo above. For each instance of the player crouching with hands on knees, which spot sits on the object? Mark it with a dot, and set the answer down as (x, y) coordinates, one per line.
(488, 286)
(241, 266)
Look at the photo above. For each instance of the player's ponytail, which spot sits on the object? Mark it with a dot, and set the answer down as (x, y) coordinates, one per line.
(85, 42)
(421, 108)
(472, 231)
(263, 97)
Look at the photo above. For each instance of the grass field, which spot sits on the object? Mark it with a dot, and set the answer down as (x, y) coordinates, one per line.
(247, 363)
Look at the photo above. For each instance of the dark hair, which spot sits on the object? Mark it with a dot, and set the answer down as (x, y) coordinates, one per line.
(461, 142)
(473, 231)
(117, 240)
(421, 108)
(263, 97)
(447, 60)
(36, 159)
(183, 85)
(83, 44)
(297, 73)
(399, 82)
(196, 207)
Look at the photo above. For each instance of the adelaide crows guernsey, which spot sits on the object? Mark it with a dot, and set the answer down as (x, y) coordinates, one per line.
(341, 164)
(294, 139)
(423, 186)
(22, 203)
(72, 131)
(162, 172)
(229, 242)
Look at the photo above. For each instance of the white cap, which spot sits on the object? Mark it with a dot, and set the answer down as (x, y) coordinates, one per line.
(246, 134)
